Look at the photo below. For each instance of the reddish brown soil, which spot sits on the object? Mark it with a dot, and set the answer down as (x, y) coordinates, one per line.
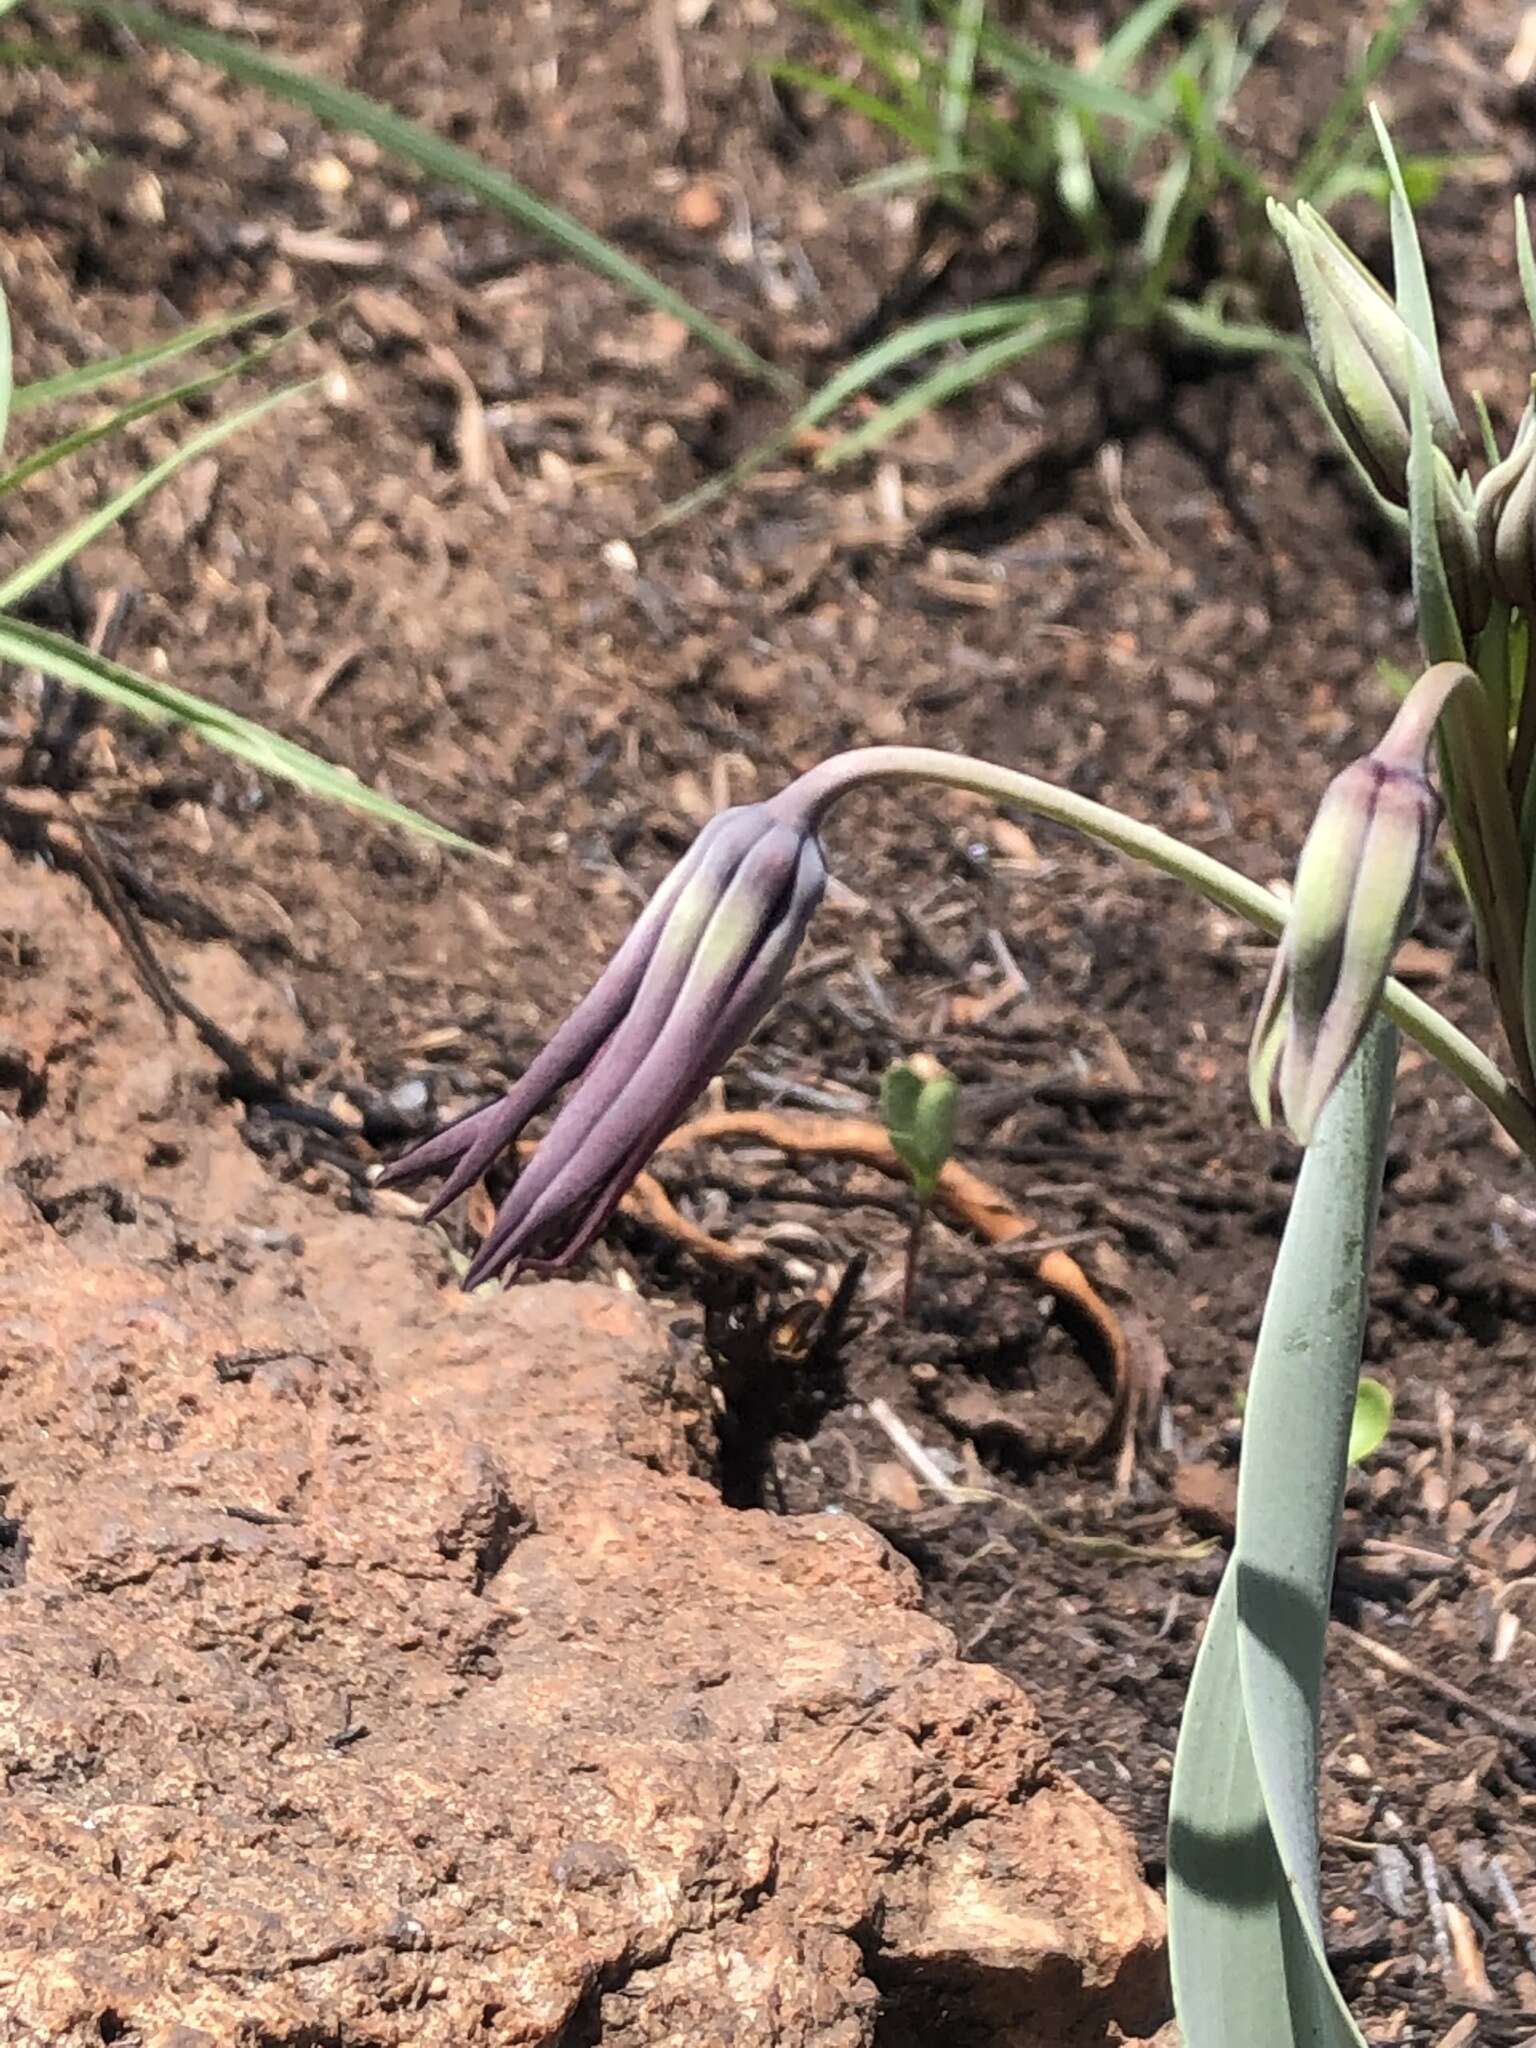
(1197, 641)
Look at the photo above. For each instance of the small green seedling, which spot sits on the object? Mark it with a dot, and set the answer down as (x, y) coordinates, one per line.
(1371, 1420)
(917, 1106)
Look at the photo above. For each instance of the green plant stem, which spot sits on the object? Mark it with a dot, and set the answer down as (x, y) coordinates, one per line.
(816, 791)
(959, 79)
(1476, 748)
(1522, 757)
(914, 1249)
(1493, 668)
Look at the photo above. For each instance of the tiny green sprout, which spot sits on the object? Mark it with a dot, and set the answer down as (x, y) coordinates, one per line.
(917, 1106)
(1371, 1420)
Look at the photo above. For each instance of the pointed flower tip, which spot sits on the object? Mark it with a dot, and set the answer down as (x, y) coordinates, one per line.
(692, 981)
(1366, 356)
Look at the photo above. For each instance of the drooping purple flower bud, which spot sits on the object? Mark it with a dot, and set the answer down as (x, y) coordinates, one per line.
(689, 985)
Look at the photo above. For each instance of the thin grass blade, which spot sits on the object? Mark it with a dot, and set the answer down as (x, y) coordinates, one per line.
(950, 380)
(96, 522)
(34, 647)
(865, 369)
(1526, 259)
(897, 55)
(5, 368)
(1207, 326)
(1084, 91)
(1439, 628)
(91, 377)
(1133, 38)
(339, 107)
(1334, 129)
(959, 80)
(1409, 276)
(140, 409)
(900, 120)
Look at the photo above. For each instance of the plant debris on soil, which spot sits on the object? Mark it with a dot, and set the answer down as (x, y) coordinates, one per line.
(1150, 579)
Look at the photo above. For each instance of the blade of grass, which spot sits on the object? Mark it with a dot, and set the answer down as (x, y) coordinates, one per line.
(898, 57)
(1333, 131)
(959, 80)
(1083, 91)
(51, 654)
(140, 409)
(1239, 337)
(1410, 279)
(1131, 40)
(869, 106)
(1525, 258)
(53, 557)
(951, 379)
(846, 383)
(5, 368)
(91, 377)
(339, 107)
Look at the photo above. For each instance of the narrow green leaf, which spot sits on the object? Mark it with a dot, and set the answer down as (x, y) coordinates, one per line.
(1490, 440)
(1084, 91)
(1167, 197)
(896, 55)
(34, 647)
(1238, 337)
(1245, 1935)
(1423, 173)
(1525, 259)
(91, 377)
(53, 557)
(867, 105)
(1439, 629)
(1301, 1401)
(128, 415)
(1132, 38)
(1230, 1911)
(951, 379)
(1334, 129)
(5, 368)
(339, 107)
(1371, 1420)
(959, 79)
(1410, 280)
(865, 369)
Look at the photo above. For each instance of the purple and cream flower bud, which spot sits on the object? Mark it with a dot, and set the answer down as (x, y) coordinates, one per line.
(1355, 898)
(692, 981)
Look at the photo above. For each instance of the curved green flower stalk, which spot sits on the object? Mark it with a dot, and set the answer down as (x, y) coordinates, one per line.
(704, 963)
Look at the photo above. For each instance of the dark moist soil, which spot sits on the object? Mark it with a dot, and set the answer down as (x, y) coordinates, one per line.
(1148, 580)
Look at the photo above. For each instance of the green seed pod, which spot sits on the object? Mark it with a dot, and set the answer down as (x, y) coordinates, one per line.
(1506, 519)
(1364, 353)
